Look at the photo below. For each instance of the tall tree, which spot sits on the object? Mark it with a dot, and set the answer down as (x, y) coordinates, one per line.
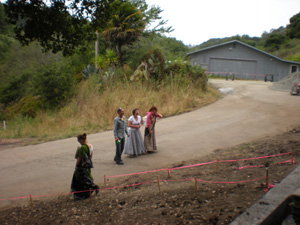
(294, 27)
(124, 28)
(69, 25)
(58, 25)
(6, 39)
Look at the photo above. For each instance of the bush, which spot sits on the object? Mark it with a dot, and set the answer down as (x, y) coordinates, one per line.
(54, 85)
(275, 40)
(14, 90)
(28, 106)
(295, 58)
(186, 70)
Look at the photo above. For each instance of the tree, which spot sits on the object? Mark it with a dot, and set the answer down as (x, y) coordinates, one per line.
(5, 35)
(57, 25)
(69, 25)
(124, 28)
(294, 27)
(170, 47)
(53, 85)
(275, 40)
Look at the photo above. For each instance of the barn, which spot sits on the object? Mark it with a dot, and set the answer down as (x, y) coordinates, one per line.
(235, 58)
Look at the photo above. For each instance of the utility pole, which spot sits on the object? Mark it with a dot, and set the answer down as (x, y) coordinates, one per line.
(96, 48)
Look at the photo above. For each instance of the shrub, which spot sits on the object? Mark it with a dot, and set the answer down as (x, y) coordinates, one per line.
(14, 90)
(54, 85)
(27, 106)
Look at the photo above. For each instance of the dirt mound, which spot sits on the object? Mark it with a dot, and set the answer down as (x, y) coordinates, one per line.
(286, 83)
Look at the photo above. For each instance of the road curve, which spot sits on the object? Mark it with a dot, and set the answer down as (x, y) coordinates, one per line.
(249, 110)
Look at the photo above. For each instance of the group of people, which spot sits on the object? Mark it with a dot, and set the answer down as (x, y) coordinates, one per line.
(134, 145)
(82, 182)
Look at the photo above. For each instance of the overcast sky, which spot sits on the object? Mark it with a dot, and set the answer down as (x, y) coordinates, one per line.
(196, 21)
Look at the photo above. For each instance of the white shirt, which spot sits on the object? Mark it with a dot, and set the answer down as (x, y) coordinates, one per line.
(91, 149)
(134, 121)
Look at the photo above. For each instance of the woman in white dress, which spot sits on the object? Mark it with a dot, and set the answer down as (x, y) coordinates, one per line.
(134, 145)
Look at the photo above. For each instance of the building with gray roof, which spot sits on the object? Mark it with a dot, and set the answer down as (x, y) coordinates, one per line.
(243, 61)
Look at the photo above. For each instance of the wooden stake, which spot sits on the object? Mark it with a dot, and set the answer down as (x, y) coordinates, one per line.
(104, 181)
(267, 178)
(158, 185)
(90, 193)
(292, 155)
(196, 184)
(31, 202)
(169, 175)
(218, 162)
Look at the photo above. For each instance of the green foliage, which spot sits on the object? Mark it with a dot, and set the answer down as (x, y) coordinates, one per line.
(295, 58)
(6, 40)
(109, 59)
(27, 106)
(14, 89)
(170, 47)
(150, 15)
(152, 66)
(53, 85)
(294, 27)
(49, 24)
(5, 28)
(89, 70)
(253, 41)
(187, 71)
(5, 44)
(274, 41)
(69, 26)
(125, 26)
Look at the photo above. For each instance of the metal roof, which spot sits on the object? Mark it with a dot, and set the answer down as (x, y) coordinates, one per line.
(249, 46)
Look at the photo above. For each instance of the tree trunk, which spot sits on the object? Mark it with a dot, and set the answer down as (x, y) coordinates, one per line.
(120, 53)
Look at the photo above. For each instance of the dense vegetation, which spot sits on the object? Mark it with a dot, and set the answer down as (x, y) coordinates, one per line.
(53, 88)
(52, 84)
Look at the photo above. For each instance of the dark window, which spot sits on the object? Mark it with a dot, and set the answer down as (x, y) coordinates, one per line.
(294, 69)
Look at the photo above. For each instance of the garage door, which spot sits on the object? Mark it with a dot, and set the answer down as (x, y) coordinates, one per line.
(236, 66)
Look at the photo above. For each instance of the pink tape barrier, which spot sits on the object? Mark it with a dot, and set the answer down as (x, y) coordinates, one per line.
(232, 182)
(137, 184)
(260, 157)
(130, 174)
(151, 171)
(199, 164)
(243, 167)
(269, 187)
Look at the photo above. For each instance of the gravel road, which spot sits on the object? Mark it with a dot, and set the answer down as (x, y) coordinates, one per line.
(248, 111)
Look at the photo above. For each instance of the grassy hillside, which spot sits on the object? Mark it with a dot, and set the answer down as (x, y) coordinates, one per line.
(93, 110)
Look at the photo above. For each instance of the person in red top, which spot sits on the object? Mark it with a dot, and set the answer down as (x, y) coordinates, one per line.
(149, 139)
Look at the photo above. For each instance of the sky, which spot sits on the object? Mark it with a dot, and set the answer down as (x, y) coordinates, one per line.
(196, 21)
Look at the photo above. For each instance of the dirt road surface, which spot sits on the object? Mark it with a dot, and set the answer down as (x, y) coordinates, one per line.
(248, 111)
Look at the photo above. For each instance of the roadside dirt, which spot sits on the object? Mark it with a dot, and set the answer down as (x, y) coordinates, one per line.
(8, 143)
(178, 203)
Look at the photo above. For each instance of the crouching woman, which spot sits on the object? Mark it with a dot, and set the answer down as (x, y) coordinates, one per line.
(82, 180)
